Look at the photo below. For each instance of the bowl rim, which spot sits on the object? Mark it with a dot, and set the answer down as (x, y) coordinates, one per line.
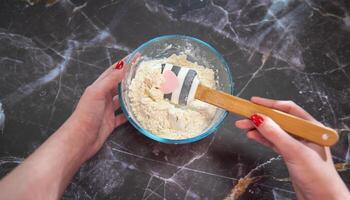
(147, 133)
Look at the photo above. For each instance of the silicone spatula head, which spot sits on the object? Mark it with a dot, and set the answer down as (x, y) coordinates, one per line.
(180, 83)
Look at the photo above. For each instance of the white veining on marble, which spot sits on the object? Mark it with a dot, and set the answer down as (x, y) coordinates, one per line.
(315, 5)
(29, 88)
(78, 8)
(258, 167)
(252, 77)
(274, 35)
(347, 21)
(7, 163)
(112, 150)
(7, 59)
(10, 160)
(216, 18)
(173, 178)
(347, 157)
(2, 119)
(103, 36)
(281, 194)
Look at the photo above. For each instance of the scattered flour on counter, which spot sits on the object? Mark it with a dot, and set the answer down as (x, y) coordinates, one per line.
(158, 115)
(2, 119)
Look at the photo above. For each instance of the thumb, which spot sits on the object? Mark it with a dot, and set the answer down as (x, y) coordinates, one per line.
(288, 146)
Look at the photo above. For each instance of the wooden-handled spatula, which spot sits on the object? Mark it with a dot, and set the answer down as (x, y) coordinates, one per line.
(186, 87)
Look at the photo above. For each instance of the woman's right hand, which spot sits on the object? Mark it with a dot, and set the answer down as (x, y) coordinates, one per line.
(310, 166)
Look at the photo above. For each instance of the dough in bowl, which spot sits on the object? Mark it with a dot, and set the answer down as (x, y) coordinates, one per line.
(158, 115)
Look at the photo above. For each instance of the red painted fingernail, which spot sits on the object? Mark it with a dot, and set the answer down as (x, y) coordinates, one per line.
(119, 64)
(256, 119)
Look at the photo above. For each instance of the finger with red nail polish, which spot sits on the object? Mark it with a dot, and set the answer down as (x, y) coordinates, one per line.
(119, 64)
(244, 124)
(273, 133)
(257, 119)
(255, 135)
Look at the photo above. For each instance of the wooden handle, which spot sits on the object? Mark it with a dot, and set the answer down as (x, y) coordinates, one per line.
(294, 125)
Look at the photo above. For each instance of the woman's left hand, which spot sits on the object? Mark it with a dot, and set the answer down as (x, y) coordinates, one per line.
(95, 113)
(46, 173)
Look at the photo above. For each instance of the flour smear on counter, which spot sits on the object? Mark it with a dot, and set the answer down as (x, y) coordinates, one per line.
(2, 119)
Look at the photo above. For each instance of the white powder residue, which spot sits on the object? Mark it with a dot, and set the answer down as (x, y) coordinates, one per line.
(2, 118)
(158, 115)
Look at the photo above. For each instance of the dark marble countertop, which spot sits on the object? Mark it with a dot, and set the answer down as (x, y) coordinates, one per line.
(50, 51)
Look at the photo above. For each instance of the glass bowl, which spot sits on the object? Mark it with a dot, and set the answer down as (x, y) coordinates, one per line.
(196, 51)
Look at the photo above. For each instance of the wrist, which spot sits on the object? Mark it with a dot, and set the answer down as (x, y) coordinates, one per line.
(340, 190)
(76, 138)
(82, 129)
(330, 187)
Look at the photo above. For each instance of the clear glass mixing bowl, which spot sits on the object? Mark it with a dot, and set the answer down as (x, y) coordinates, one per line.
(196, 51)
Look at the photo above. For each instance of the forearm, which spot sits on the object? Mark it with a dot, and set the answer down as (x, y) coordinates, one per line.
(46, 173)
(327, 185)
(334, 188)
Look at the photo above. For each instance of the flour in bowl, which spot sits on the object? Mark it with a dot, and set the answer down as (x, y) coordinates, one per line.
(158, 115)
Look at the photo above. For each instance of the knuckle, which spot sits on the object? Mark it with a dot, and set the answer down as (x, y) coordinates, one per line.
(268, 127)
(268, 130)
(288, 103)
(90, 90)
(272, 129)
(291, 103)
(275, 103)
